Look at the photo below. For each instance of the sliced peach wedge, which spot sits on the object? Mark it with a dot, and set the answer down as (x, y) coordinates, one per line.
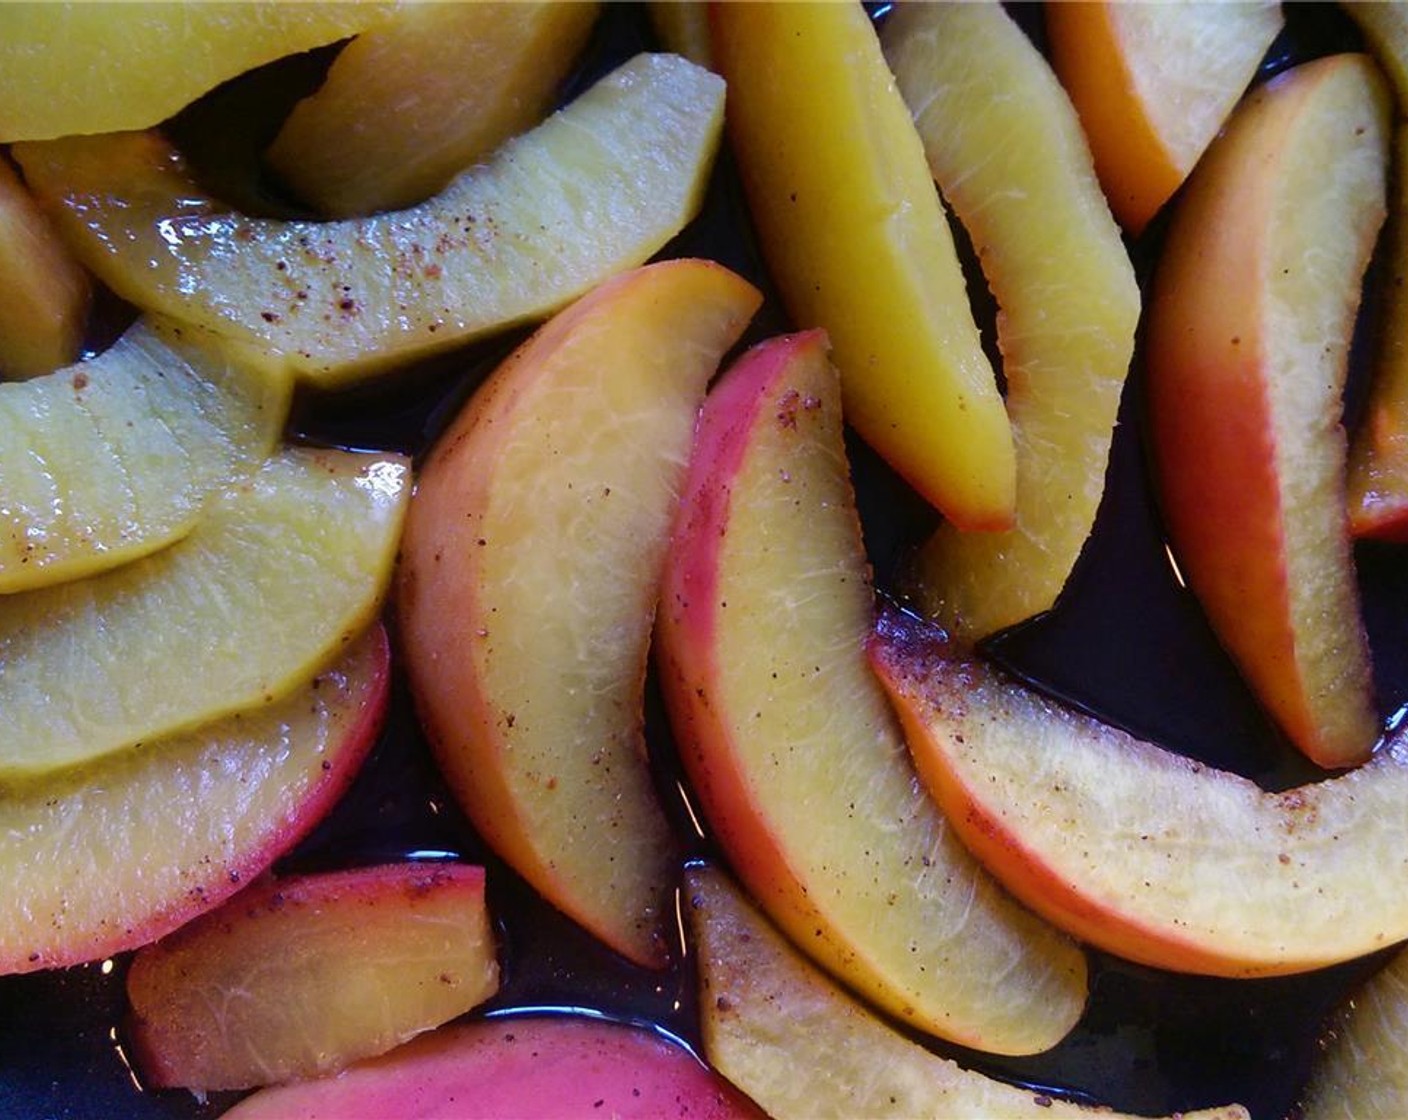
(1248, 336)
(43, 289)
(300, 977)
(515, 1068)
(857, 239)
(1362, 1071)
(284, 569)
(596, 188)
(111, 459)
(529, 577)
(1143, 853)
(414, 100)
(140, 63)
(1153, 84)
(114, 855)
(801, 1047)
(798, 764)
(1006, 149)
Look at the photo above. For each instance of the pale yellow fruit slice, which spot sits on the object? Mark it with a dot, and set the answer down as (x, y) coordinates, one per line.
(43, 289)
(797, 1044)
(111, 856)
(414, 101)
(1007, 151)
(283, 570)
(80, 68)
(112, 459)
(595, 189)
(1363, 1074)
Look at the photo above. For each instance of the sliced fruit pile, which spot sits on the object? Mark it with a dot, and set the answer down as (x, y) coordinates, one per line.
(637, 542)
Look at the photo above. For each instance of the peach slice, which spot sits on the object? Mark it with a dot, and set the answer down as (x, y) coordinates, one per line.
(1154, 83)
(800, 1046)
(529, 577)
(1008, 154)
(296, 978)
(1153, 857)
(284, 569)
(413, 101)
(1248, 338)
(112, 459)
(1378, 455)
(856, 237)
(596, 189)
(1363, 1072)
(517, 1068)
(122, 852)
(43, 289)
(798, 764)
(81, 68)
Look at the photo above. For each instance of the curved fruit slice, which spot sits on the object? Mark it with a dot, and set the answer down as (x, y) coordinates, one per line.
(282, 571)
(856, 237)
(1378, 454)
(1385, 26)
(1248, 340)
(799, 765)
(114, 458)
(117, 854)
(296, 978)
(801, 1047)
(140, 63)
(43, 290)
(529, 576)
(1363, 1072)
(515, 1069)
(1144, 853)
(410, 103)
(1008, 154)
(595, 189)
(1153, 84)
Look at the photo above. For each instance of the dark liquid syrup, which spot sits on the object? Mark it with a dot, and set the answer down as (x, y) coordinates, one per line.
(1126, 642)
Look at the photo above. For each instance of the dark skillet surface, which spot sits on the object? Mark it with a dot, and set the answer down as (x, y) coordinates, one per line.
(1126, 642)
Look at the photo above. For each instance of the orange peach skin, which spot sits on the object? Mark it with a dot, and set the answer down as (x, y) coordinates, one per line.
(123, 852)
(515, 1069)
(1248, 337)
(856, 237)
(798, 764)
(302, 976)
(529, 577)
(1153, 83)
(1143, 853)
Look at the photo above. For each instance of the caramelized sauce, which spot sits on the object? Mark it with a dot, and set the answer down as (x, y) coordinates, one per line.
(1126, 642)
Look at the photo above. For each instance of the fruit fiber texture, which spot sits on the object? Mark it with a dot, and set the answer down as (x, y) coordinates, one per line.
(300, 977)
(111, 459)
(119, 853)
(529, 578)
(803, 1048)
(1247, 344)
(1144, 853)
(286, 568)
(596, 188)
(798, 763)
(1008, 154)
